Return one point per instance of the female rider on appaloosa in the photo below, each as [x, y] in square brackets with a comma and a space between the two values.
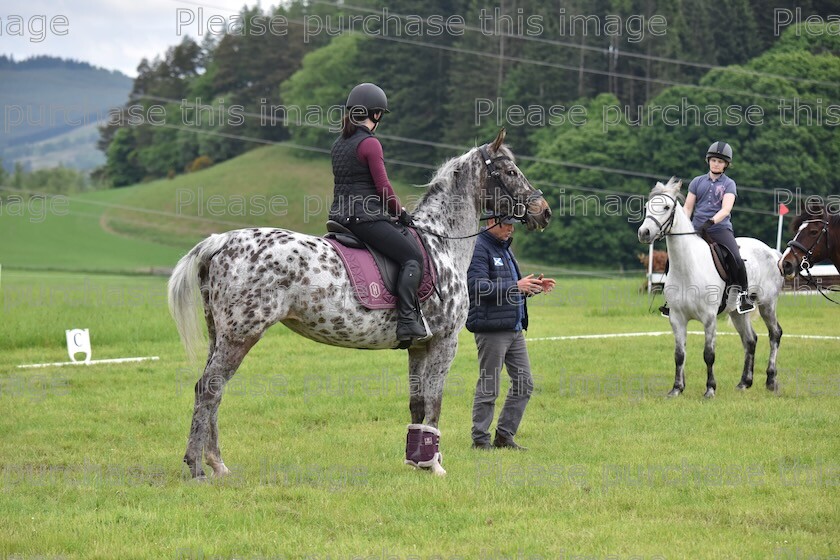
[250, 279]
[365, 203]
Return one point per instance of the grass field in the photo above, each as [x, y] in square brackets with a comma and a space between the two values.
[136, 229]
[90, 457]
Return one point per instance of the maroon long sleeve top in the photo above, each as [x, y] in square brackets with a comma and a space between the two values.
[370, 153]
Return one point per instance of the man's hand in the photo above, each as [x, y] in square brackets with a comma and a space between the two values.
[530, 285]
[547, 283]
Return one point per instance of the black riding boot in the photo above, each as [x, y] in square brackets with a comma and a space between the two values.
[409, 324]
[664, 308]
[745, 303]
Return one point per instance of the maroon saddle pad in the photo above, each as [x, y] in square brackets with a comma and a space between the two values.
[372, 288]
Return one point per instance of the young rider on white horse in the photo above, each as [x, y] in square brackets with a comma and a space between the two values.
[711, 197]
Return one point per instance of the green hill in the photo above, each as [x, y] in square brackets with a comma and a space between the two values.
[149, 226]
[46, 98]
[74, 148]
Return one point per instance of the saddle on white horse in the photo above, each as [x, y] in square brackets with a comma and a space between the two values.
[724, 262]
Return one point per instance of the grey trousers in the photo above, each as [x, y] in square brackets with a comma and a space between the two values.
[495, 349]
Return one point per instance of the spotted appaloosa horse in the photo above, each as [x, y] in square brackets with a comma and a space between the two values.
[694, 289]
[250, 279]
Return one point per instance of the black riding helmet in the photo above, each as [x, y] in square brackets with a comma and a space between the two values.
[365, 100]
[721, 150]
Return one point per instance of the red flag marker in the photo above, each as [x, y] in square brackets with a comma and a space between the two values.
[782, 211]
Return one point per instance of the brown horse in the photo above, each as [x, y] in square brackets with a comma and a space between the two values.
[817, 239]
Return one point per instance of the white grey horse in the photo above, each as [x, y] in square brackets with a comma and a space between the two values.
[250, 279]
[694, 289]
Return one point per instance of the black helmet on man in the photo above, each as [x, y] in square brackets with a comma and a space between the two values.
[721, 150]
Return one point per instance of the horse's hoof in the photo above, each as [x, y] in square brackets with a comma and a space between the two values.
[200, 479]
[742, 386]
[773, 386]
[196, 473]
[709, 394]
[220, 470]
[674, 393]
[437, 470]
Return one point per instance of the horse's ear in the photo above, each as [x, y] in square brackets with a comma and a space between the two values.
[500, 137]
[676, 181]
[814, 207]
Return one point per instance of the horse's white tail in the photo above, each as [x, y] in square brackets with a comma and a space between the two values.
[184, 291]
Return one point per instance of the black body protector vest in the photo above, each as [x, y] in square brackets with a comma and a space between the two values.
[355, 198]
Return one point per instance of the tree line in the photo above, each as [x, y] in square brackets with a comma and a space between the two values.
[596, 114]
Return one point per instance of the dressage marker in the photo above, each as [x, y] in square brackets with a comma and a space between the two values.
[78, 342]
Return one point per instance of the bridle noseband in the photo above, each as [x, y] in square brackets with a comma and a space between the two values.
[520, 209]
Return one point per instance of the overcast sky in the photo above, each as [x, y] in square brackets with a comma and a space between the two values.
[112, 34]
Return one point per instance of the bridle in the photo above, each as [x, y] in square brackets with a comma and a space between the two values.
[665, 227]
[808, 253]
[520, 209]
[494, 174]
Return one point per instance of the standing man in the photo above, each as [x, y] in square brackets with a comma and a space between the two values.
[497, 317]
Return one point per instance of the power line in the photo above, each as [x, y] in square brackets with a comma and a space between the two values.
[284, 121]
[599, 50]
[590, 71]
[562, 187]
[542, 63]
[111, 205]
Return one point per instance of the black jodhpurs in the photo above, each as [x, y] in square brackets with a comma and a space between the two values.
[391, 239]
[726, 238]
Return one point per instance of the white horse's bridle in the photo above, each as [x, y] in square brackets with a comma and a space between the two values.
[664, 227]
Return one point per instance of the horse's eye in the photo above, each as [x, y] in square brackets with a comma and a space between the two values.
[511, 172]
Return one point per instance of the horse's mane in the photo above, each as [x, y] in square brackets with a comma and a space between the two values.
[671, 188]
[445, 175]
[815, 213]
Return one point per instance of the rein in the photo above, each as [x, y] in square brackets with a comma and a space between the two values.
[814, 284]
[441, 236]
